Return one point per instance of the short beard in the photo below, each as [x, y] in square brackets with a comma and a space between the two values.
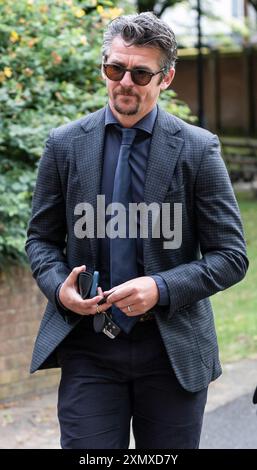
[128, 112]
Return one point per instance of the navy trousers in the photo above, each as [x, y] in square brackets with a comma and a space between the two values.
[106, 383]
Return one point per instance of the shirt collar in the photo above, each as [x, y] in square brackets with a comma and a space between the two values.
[145, 124]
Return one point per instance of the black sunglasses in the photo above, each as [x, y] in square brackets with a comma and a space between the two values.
[139, 76]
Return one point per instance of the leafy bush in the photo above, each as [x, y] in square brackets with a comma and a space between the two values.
[49, 74]
[16, 187]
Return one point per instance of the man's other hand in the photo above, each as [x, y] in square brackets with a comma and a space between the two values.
[139, 294]
[71, 299]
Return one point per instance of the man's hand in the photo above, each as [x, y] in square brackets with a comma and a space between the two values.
[70, 298]
[139, 294]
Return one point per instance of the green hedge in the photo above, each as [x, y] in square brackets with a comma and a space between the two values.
[50, 56]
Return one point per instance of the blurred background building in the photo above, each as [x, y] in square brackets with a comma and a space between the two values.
[217, 77]
[224, 22]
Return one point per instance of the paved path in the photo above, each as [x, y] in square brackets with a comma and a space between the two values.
[231, 426]
[230, 419]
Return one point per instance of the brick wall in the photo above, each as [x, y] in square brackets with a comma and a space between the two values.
[230, 93]
[21, 308]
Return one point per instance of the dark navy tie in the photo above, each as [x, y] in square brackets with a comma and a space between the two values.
[123, 252]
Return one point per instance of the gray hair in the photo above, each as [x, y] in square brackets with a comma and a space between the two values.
[143, 30]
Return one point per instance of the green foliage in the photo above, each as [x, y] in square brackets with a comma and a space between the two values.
[49, 69]
[50, 56]
[49, 74]
[168, 100]
[16, 187]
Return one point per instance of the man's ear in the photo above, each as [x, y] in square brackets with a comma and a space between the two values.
[167, 79]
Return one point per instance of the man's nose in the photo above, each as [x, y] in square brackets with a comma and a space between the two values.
[127, 80]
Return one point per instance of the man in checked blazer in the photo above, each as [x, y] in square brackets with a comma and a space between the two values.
[158, 373]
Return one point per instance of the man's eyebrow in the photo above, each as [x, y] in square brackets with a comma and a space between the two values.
[118, 62]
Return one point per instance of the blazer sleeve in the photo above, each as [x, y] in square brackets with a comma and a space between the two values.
[46, 243]
[223, 260]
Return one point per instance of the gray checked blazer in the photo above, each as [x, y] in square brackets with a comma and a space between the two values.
[185, 167]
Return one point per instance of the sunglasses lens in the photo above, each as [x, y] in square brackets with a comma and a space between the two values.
[114, 72]
[141, 77]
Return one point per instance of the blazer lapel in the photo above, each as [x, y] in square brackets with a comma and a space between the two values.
[165, 151]
[89, 161]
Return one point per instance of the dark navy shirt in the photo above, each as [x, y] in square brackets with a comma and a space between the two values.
[138, 160]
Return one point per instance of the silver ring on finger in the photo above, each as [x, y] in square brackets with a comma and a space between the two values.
[129, 309]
